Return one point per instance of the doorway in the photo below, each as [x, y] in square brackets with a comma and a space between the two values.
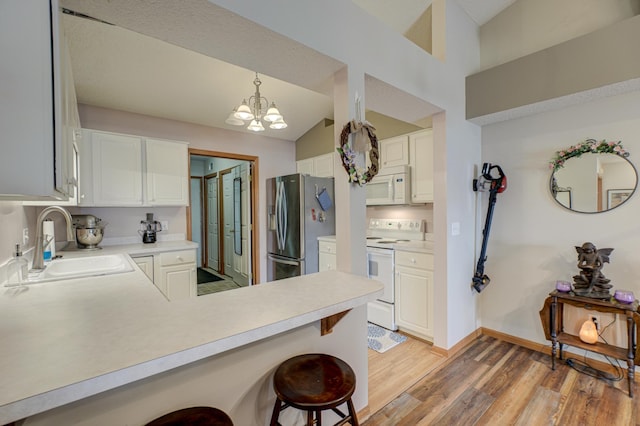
[222, 215]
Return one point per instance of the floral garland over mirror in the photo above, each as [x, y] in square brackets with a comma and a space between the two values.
[348, 153]
[590, 145]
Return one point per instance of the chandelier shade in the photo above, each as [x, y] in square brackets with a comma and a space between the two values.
[256, 110]
[256, 126]
[272, 113]
[233, 120]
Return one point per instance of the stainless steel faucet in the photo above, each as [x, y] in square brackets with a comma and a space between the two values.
[38, 257]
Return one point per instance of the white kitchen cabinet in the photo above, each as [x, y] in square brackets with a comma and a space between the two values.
[117, 169]
[175, 274]
[394, 151]
[145, 263]
[305, 166]
[320, 166]
[166, 172]
[37, 105]
[421, 162]
[326, 255]
[127, 171]
[414, 293]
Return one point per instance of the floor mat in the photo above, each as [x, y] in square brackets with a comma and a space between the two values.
[381, 340]
[207, 277]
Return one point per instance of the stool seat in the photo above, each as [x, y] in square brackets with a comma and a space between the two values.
[194, 416]
[313, 383]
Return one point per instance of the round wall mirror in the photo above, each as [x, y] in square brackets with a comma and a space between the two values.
[594, 182]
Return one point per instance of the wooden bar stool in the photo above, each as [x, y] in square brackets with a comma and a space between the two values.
[313, 383]
[194, 416]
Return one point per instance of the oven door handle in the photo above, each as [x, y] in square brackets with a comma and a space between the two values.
[286, 262]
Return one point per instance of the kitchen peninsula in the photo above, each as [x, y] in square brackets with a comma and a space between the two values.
[112, 350]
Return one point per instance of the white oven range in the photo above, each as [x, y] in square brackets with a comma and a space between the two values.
[383, 235]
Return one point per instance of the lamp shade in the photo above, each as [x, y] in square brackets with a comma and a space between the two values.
[278, 124]
[256, 126]
[589, 332]
[272, 113]
[244, 112]
[233, 120]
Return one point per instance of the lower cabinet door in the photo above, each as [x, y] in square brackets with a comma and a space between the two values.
[180, 282]
[414, 301]
[326, 262]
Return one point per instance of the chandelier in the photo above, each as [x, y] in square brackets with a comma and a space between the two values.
[256, 110]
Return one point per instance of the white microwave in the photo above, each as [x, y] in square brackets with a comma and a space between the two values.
[390, 186]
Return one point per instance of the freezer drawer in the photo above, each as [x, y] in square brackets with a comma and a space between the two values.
[279, 267]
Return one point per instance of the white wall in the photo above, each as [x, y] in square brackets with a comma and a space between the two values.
[13, 219]
[528, 26]
[276, 157]
[533, 239]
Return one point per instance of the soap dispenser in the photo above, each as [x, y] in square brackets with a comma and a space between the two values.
[17, 268]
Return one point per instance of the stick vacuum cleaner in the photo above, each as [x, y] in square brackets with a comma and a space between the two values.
[487, 182]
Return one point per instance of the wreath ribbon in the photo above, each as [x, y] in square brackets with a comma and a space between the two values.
[360, 132]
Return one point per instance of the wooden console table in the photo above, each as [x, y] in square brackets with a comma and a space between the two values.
[552, 317]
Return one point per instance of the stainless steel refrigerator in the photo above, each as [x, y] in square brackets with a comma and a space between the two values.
[300, 209]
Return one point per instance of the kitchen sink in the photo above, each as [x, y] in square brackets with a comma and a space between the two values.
[77, 267]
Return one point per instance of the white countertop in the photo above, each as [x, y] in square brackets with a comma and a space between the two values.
[65, 340]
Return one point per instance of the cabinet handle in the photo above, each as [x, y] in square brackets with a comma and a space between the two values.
[179, 258]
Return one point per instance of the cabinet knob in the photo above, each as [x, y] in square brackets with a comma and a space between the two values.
[179, 258]
[413, 260]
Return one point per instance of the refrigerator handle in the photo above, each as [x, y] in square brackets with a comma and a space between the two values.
[286, 262]
[284, 216]
[279, 215]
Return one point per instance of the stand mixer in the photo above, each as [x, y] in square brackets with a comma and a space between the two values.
[150, 228]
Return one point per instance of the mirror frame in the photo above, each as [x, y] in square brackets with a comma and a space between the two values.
[590, 146]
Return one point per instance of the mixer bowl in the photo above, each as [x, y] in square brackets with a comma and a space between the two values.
[89, 237]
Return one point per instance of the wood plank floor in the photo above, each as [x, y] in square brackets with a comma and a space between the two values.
[498, 383]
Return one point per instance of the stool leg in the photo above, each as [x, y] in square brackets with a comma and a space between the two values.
[276, 413]
[352, 413]
[309, 418]
[319, 418]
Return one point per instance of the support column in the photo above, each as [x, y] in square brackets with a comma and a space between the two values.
[350, 200]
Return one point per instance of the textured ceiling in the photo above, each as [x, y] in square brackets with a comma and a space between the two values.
[194, 61]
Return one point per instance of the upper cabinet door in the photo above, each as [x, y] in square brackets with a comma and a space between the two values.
[305, 166]
[323, 165]
[32, 163]
[167, 173]
[394, 152]
[117, 169]
[421, 147]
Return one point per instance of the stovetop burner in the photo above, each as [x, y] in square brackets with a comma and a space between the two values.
[384, 233]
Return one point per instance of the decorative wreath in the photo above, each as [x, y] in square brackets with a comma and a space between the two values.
[590, 145]
[348, 154]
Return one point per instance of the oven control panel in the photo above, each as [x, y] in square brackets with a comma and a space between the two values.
[398, 224]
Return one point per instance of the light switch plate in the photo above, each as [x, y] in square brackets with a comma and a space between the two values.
[455, 228]
[165, 225]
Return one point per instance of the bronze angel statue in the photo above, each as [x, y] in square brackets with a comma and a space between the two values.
[591, 282]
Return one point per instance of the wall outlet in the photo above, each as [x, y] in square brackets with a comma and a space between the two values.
[25, 237]
[596, 321]
[165, 225]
